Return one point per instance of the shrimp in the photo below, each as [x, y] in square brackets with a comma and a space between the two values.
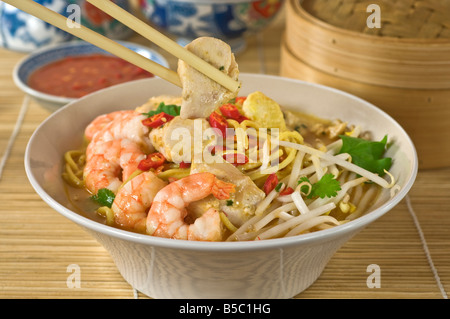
[100, 122]
[106, 161]
[120, 125]
[133, 200]
[247, 194]
[167, 214]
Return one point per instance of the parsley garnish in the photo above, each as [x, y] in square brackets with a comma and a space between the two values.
[170, 109]
[104, 197]
[367, 154]
[229, 202]
[327, 186]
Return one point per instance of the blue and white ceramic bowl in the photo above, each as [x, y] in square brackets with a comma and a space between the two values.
[44, 56]
[95, 19]
[20, 31]
[229, 20]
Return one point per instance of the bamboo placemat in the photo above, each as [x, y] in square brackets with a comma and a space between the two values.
[410, 244]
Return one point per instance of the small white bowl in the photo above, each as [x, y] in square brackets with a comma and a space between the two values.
[167, 268]
[53, 53]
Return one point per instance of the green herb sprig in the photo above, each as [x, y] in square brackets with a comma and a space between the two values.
[367, 154]
[170, 109]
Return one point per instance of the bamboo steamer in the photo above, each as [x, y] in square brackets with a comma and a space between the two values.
[406, 76]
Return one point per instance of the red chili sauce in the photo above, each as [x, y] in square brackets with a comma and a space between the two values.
[75, 77]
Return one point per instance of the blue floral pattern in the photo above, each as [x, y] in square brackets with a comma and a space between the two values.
[190, 20]
[23, 32]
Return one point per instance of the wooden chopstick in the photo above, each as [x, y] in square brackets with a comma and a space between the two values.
[96, 39]
[166, 43]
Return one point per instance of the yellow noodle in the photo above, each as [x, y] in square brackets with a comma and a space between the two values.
[175, 173]
[249, 166]
[108, 213]
[74, 165]
[227, 222]
[248, 123]
[133, 175]
[290, 158]
[234, 123]
[70, 176]
[292, 136]
[69, 158]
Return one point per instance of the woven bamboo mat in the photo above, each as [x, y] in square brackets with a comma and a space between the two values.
[410, 244]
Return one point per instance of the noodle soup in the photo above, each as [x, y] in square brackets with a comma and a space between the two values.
[291, 172]
[168, 268]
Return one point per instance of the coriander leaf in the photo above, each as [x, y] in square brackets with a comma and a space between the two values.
[367, 154]
[104, 197]
[170, 109]
[327, 186]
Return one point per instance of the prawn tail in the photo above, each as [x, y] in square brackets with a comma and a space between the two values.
[222, 190]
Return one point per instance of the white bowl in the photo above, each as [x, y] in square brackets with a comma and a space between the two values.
[167, 268]
[52, 53]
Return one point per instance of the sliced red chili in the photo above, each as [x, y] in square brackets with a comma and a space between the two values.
[230, 110]
[287, 191]
[185, 165]
[218, 121]
[270, 183]
[235, 158]
[153, 160]
[157, 120]
[241, 118]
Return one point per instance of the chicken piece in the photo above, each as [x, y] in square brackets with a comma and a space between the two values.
[153, 103]
[201, 95]
[241, 205]
[176, 139]
[331, 130]
[337, 128]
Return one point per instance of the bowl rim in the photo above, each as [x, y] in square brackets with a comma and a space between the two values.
[74, 43]
[314, 237]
